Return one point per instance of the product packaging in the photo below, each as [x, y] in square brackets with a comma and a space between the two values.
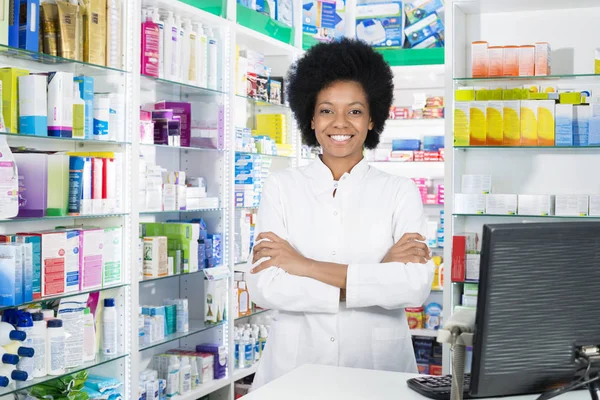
[382, 25]
[112, 253]
[60, 104]
[49, 17]
[94, 31]
[10, 97]
[33, 117]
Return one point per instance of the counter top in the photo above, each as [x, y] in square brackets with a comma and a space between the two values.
[320, 382]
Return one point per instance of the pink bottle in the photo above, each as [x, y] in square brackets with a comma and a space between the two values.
[150, 46]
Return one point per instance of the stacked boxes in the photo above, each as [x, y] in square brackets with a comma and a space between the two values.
[251, 171]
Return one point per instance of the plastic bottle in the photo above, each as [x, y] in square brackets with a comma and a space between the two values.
[236, 350]
[25, 324]
[89, 336]
[195, 378]
[8, 334]
[192, 71]
[173, 377]
[161, 42]
[150, 46]
[201, 55]
[109, 328]
[257, 344]
[185, 50]
[185, 376]
[212, 60]
[246, 350]
[39, 338]
[171, 38]
[55, 364]
[178, 23]
[264, 334]
[8, 373]
[8, 358]
[78, 113]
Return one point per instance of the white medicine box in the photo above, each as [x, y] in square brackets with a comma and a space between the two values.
[476, 184]
[572, 205]
[469, 203]
[595, 205]
[534, 204]
[501, 204]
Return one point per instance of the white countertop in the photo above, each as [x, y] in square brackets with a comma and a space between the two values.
[319, 382]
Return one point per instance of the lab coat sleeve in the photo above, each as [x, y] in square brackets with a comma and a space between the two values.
[275, 289]
[394, 285]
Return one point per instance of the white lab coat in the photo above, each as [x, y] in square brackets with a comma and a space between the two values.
[369, 213]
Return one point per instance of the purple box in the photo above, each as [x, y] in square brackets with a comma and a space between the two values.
[33, 184]
[220, 354]
[161, 131]
[184, 112]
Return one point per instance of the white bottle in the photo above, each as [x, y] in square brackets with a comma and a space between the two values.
[212, 62]
[55, 353]
[186, 50]
[185, 376]
[8, 373]
[192, 72]
[173, 377]
[39, 338]
[109, 328]
[161, 42]
[194, 371]
[237, 350]
[171, 37]
[201, 57]
[89, 336]
[25, 324]
[8, 334]
[246, 350]
[179, 53]
[257, 344]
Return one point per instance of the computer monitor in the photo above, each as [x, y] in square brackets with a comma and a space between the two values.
[539, 297]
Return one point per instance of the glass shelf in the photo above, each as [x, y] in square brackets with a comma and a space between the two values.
[526, 216]
[257, 312]
[262, 103]
[181, 211]
[63, 217]
[66, 296]
[58, 138]
[169, 276]
[185, 88]
[195, 326]
[265, 155]
[47, 59]
[165, 146]
[501, 79]
[558, 148]
[405, 162]
[100, 360]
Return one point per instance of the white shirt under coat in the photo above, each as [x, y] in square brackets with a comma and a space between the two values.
[370, 212]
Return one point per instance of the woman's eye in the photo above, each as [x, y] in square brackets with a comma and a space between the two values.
[326, 111]
[355, 112]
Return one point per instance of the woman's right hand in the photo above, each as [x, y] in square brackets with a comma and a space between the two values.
[409, 249]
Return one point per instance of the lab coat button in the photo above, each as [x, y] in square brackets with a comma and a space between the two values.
[335, 184]
[333, 339]
[335, 213]
[333, 253]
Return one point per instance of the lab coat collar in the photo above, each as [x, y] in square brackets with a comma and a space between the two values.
[322, 177]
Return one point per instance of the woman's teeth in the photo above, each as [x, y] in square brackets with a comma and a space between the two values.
[340, 138]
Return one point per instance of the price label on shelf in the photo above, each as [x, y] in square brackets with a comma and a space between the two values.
[216, 273]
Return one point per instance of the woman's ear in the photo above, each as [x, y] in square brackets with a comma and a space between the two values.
[312, 124]
[370, 124]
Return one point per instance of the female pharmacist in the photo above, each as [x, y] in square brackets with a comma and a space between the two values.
[340, 242]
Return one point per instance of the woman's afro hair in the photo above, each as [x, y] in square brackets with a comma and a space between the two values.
[345, 60]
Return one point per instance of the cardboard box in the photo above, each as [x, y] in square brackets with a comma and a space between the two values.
[476, 184]
[501, 204]
[573, 205]
[531, 204]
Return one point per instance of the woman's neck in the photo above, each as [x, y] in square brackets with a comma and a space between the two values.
[339, 166]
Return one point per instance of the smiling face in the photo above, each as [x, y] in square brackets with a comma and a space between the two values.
[341, 120]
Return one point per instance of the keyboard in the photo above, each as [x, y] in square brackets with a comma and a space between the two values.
[437, 387]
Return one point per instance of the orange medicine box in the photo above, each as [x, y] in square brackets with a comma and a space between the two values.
[526, 60]
[511, 61]
[480, 59]
[496, 60]
[542, 59]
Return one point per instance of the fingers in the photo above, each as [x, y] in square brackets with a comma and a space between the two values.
[269, 235]
[264, 265]
[265, 245]
[411, 246]
[409, 237]
[263, 253]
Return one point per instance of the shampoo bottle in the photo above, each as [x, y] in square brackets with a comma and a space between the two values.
[89, 336]
[212, 62]
[179, 53]
[170, 46]
[192, 72]
[150, 46]
[161, 42]
[201, 54]
[109, 328]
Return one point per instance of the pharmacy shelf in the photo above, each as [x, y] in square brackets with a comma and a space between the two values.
[265, 155]
[536, 148]
[64, 217]
[262, 103]
[49, 62]
[162, 278]
[67, 295]
[174, 87]
[410, 163]
[594, 218]
[204, 389]
[43, 139]
[580, 78]
[100, 360]
[165, 146]
[181, 211]
[241, 373]
[407, 123]
[255, 313]
[518, 6]
[424, 332]
[195, 326]
[260, 42]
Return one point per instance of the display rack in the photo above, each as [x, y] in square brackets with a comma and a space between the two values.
[517, 170]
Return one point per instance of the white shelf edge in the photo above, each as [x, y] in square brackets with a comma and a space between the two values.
[244, 372]
[267, 40]
[205, 389]
[424, 332]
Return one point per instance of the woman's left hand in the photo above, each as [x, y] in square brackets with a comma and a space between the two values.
[281, 254]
